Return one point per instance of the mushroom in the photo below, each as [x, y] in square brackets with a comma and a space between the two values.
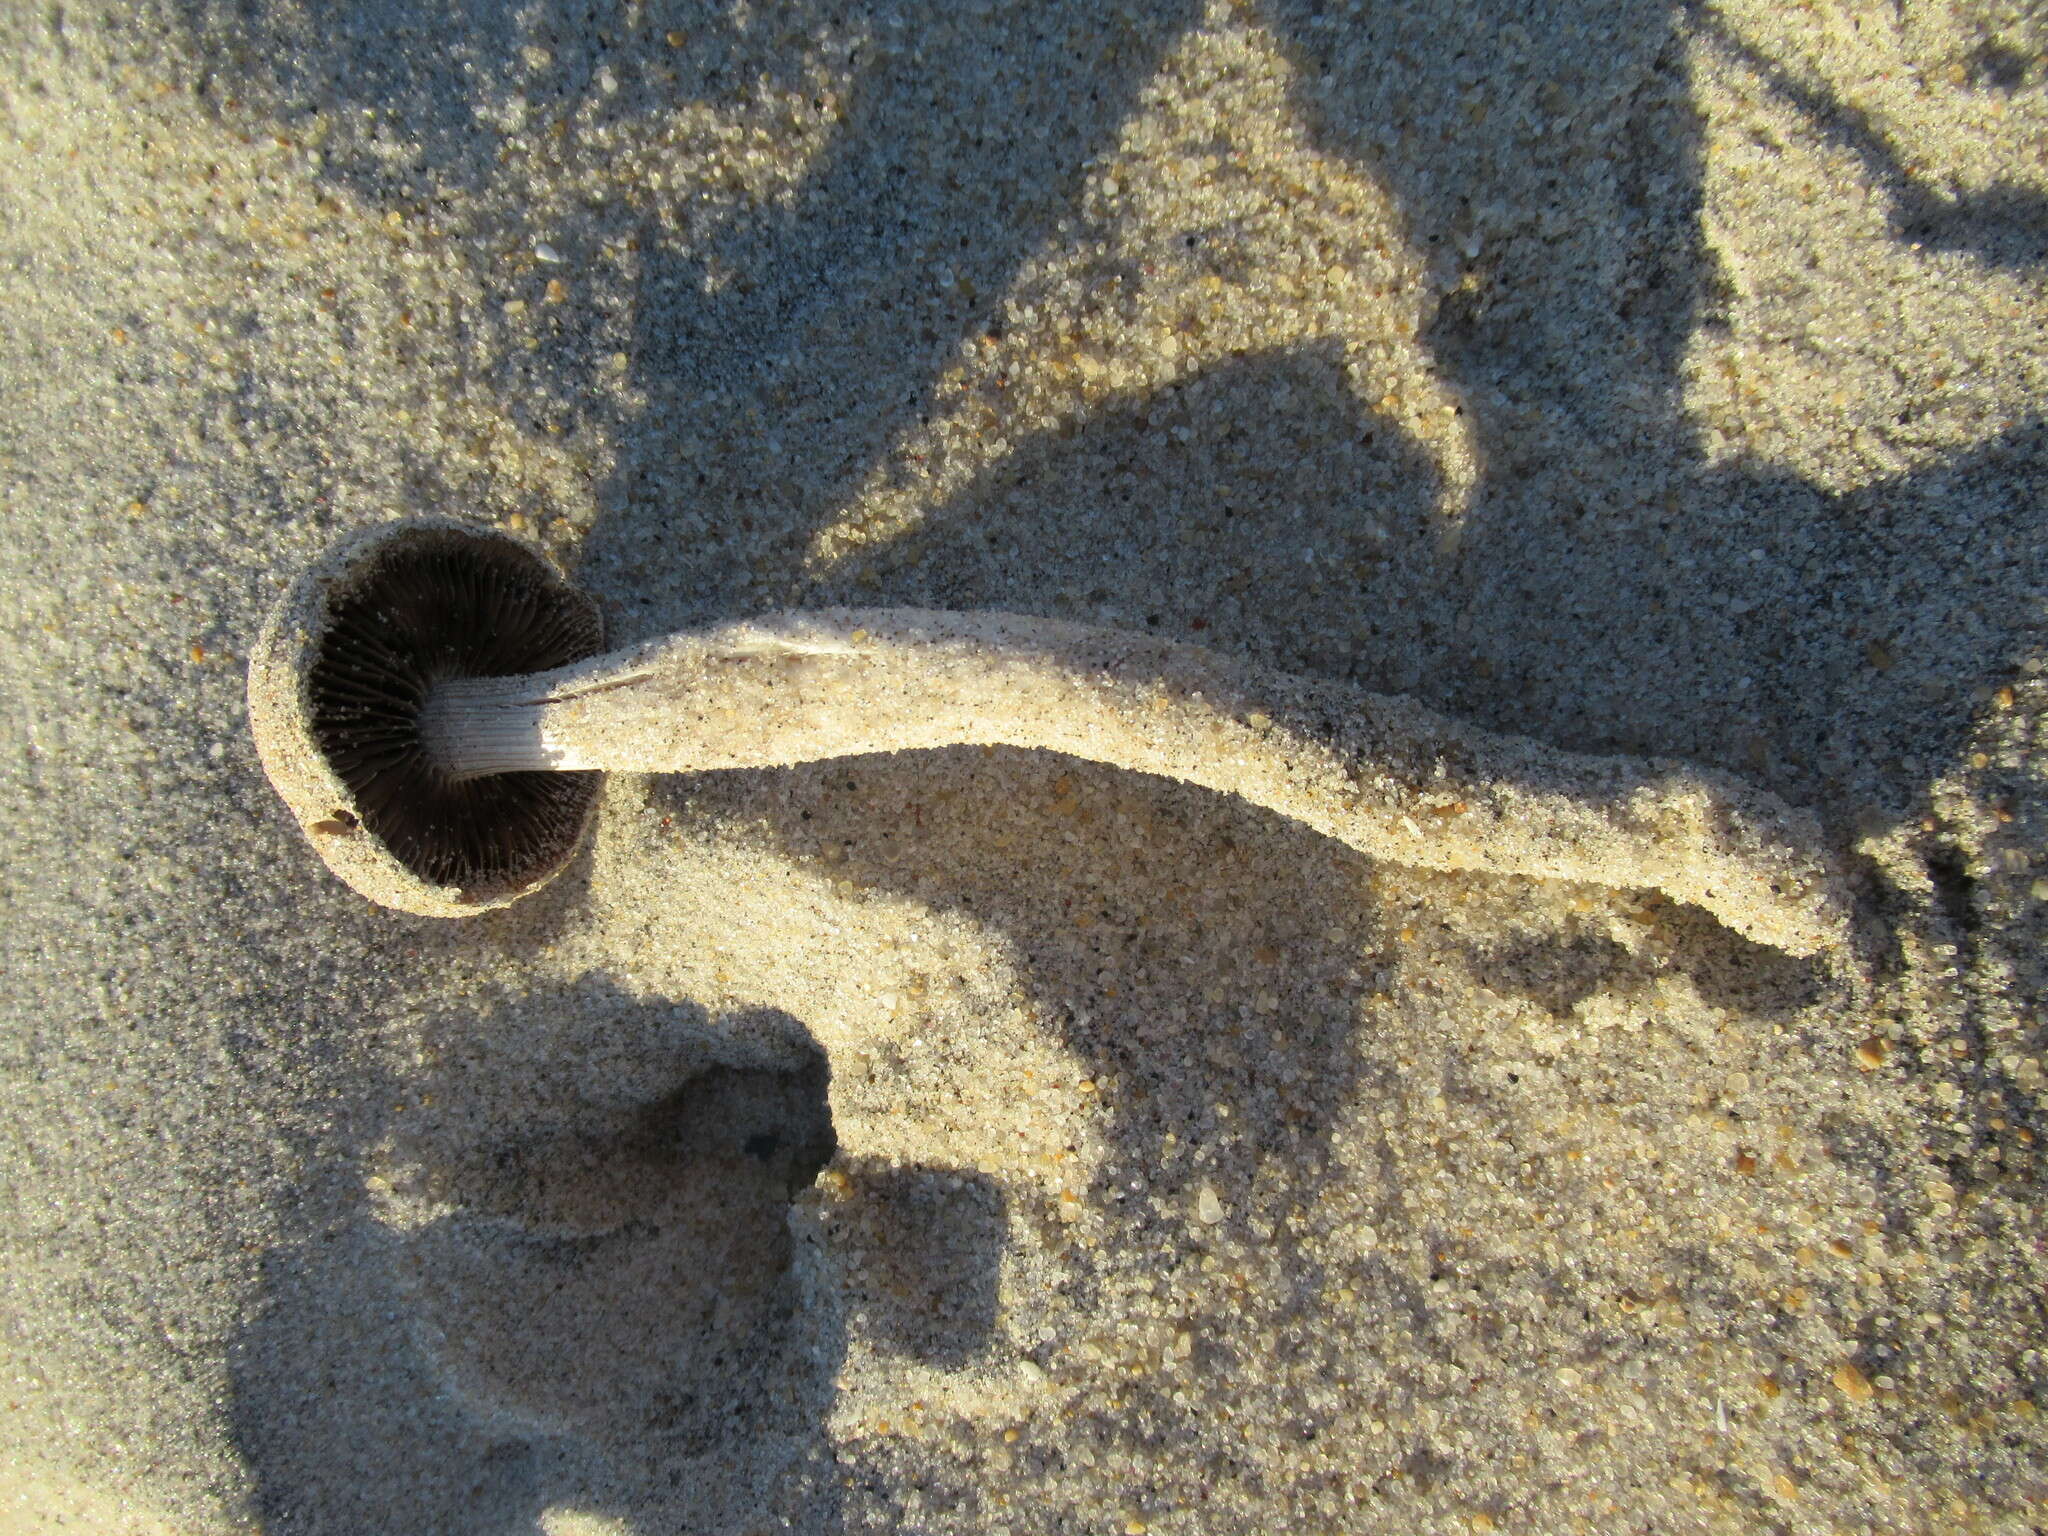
[430, 701]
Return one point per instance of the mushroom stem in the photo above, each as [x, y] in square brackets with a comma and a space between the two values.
[1383, 775]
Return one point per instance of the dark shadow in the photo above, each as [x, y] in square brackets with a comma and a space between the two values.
[604, 1291]
[1888, 615]
[569, 1252]
[1730, 972]
[313, 1378]
[1559, 971]
[1557, 974]
[1205, 514]
[1558, 211]
[922, 1250]
[1560, 218]
[626, 1279]
[770, 398]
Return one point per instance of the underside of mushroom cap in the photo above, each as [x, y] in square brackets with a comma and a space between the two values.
[336, 683]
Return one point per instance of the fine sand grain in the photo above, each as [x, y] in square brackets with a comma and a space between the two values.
[992, 1141]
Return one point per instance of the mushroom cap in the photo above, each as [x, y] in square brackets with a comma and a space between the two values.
[336, 681]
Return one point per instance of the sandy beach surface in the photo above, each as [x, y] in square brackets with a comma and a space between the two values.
[987, 1141]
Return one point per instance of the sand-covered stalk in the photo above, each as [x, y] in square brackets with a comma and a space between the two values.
[1384, 775]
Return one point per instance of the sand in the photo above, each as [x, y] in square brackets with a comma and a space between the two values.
[986, 1140]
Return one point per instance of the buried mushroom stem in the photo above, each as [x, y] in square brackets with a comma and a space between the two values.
[1387, 777]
